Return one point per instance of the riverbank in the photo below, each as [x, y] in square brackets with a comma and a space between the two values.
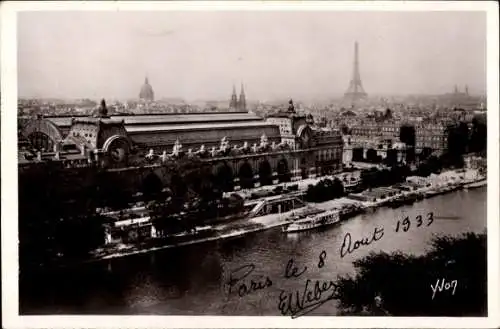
[190, 279]
[245, 226]
[222, 231]
[422, 187]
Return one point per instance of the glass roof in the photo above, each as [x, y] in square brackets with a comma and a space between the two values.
[171, 118]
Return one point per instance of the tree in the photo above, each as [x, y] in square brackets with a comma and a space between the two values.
[410, 155]
[387, 114]
[345, 129]
[77, 236]
[283, 171]
[477, 141]
[398, 174]
[112, 191]
[165, 216]
[425, 153]
[423, 170]
[401, 283]
[434, 164]
[357, 154]
[407, 135]
[338, 188]
[458, 138]
[324, 190]
[152, 187]
[235, 203]
[371, 155]
[224, 178]
[392, 157]
[368, 177]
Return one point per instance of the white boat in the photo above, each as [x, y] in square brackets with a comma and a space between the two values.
[308, 222]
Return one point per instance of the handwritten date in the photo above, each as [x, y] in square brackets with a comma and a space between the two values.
[315, 293]
[349, 246]
[405, 224]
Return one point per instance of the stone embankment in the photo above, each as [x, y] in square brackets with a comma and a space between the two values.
[440, 183]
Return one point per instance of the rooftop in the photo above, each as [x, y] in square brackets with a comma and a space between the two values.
[285, 114]
[173, 118]
[199, 126]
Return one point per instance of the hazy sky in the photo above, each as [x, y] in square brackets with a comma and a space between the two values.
[199, 55]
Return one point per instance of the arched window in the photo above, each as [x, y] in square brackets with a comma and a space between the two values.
[40, 141]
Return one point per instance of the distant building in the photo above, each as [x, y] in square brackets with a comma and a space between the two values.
[460, 99]
[242, 103]
[146, 93]
[431, 136]
[238, 149]
[377, 130]
[235, 104]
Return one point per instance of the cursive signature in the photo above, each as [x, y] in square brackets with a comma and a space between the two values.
[237, 276]
[313, 295]
[348, 246]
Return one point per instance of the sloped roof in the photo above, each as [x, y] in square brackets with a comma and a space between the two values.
[198, 126]
[174, 118]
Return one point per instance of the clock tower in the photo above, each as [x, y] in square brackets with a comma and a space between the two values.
[294, 128]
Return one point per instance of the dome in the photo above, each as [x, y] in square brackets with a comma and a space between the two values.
[146, 91]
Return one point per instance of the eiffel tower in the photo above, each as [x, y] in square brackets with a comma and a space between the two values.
[355, 91]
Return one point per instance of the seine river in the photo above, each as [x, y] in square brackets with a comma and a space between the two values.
[194, 280]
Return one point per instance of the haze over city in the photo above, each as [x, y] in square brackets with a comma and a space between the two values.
[200, 55]
[229, 162]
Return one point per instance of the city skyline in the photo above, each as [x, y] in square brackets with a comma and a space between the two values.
[108, 54]
[208, 162]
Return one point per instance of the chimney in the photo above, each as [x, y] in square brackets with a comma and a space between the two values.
[83, 150]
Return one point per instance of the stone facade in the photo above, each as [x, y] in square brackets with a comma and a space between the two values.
[374, 130]
[236, 147]
[433, 136]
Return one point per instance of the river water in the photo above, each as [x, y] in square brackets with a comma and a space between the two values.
[193, 280]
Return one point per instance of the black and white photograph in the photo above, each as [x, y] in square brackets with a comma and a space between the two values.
[262, 161]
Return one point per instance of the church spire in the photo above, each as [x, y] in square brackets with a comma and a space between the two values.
[103, 110]
[242, 104]
[233, 104]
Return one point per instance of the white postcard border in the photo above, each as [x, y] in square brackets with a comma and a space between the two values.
[9, 181]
